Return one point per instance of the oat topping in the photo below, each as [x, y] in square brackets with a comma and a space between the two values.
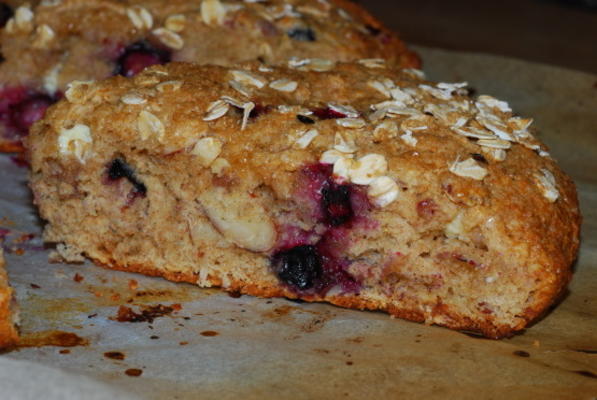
[492, 102]
[219, 166]
[468, 168]
[409, 139]
[547, 184]
[367, 168]
[495, 143]
[333, 155]
[168, 86]
[383, 191]
[217, 109]
[76, 90]
[140, 17]
[212, 12]
[248, 79]
[344, 145]
[342, 168]
[312, 64]
[455, 229]
[247, 108]
[347, 110]
[388, 129]
[176, 23]
[76, 140]
[149, 125]
[133, 99]
[44, 35]
[207, 150]
[284, 85]
[22, 20]
[50, 80]
[240, 88]
[352, 123]
[306, 138]
[373, 62]
[169, 38]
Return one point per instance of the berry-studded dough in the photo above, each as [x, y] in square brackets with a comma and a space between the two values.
[363, 186]
[58, 41]
[9, 335]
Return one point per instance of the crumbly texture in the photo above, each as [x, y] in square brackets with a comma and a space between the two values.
[56, 42]
[363, 186]
[9, 336]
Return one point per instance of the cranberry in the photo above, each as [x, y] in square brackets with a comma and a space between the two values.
[328, 113]
[138, 56]
[259, 110]
[426, 208]
[336, 204]
[119, 169]
[298, 267]
[29, 111]
[6, 13]
[302, 34]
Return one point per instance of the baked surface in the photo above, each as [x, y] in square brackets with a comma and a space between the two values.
[8, 332]
[56, 42]
[363, 186]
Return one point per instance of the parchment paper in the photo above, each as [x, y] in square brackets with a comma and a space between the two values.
[277, 349]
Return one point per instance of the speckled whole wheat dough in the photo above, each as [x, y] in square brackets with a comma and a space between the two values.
[456, 214]
[53, 43]
[9, 334]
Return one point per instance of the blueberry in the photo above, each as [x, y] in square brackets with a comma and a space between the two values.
[138, 56]
[479, 157]
[302, 34]
[337, 207]
[304, 119]
[299, 267]
[119, 169]
[374, 31]
[6, 13]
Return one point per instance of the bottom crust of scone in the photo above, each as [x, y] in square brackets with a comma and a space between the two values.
[441, 314]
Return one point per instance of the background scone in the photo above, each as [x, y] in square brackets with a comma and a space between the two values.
[9, 335]
[362, 186]
[47, 46]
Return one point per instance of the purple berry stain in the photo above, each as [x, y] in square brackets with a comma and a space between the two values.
[314, 263]
[20, 108]
[138, 56]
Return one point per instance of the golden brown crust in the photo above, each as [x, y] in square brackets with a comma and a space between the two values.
[9, 335]
[83, 40]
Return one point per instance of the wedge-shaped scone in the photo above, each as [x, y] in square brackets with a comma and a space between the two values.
[47, 46]
[361, 186]
[9, 335]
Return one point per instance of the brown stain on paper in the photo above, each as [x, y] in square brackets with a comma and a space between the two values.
[52, 338]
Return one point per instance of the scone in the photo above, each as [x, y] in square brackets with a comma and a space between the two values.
[361, 186]
[9, 335]
[46, 47]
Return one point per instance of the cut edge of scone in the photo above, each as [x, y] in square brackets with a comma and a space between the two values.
[388, 192]
[9, 316]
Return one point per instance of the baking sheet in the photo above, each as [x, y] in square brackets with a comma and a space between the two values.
[214, 346]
